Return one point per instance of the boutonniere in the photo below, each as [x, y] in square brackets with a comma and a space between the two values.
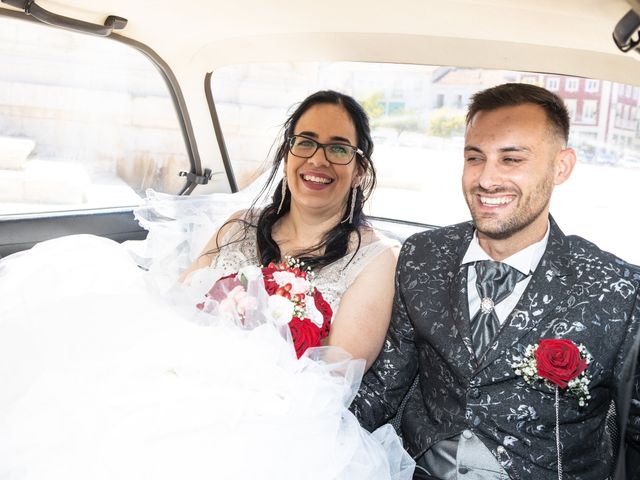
[561, 364]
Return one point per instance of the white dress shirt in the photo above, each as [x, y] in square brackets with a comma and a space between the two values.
[525, 261]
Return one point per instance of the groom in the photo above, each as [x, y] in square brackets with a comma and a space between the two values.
[474, 299]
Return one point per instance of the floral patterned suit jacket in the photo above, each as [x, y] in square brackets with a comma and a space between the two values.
[578, 292]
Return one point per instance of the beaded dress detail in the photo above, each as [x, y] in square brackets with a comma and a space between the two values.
[239, 249]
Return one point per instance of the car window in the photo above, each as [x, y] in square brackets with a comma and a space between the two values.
[86, 122]
[417, 117]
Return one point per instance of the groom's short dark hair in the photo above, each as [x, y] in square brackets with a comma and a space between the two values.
[514, 94]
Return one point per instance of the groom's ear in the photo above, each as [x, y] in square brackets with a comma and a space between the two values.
[565, 161]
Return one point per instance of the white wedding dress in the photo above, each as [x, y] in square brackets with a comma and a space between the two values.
[108, 371]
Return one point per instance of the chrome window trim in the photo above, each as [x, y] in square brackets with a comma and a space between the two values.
[215, 120]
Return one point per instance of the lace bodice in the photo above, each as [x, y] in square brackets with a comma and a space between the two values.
[332, 280]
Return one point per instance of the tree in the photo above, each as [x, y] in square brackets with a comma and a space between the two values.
[373, 105]
[446, 124]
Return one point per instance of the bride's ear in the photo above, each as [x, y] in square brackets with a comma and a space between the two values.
[357, 177]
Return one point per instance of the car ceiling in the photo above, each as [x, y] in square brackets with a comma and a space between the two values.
[569, 36]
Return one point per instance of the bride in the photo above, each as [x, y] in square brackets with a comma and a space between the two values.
[107, 376]
[316, 216]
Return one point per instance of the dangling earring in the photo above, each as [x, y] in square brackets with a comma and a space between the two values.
[284, 193]
[354, 195]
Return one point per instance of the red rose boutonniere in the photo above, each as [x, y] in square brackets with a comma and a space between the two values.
[558, 362]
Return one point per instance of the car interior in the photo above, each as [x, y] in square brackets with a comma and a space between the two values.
[104, 99]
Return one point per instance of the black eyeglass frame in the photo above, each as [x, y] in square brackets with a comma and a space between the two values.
[355, 150]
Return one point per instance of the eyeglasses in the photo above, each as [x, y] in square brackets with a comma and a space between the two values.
[337, 153]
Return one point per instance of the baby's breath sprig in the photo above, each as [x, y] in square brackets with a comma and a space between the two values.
[579, 386]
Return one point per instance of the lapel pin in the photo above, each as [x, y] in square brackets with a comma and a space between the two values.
[486, 305]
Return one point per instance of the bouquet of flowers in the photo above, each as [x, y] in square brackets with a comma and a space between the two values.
[291, 299]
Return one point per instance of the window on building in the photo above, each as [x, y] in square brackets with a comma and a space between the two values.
[591, 85]
[571, 84]
[552, 84]
[572, 105]
[589, 111]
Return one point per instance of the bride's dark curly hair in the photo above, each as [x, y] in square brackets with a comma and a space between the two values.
[335, 243]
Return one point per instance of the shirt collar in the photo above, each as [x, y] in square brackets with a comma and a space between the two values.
[525, 261]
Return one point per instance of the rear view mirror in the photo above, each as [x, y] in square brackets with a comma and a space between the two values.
[625, 30]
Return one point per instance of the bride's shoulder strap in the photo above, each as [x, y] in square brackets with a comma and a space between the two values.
[373, 244]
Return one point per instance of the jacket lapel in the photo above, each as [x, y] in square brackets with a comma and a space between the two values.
[549, 285]
[460, 311]
[458, 296]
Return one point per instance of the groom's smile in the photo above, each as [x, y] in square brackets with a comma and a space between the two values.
[495, 201]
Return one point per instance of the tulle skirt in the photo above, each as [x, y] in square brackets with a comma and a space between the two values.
[105, 376]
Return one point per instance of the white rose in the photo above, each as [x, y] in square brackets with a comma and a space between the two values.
[280, 309]
[251, 272]
[298, 284]
[236, 302]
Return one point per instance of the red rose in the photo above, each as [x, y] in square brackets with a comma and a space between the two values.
[559, 361]
[325, 309]
[269, 269]
[222, 287]
[270, 284]
[305, 334]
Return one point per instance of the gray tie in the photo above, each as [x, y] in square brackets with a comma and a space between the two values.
[495, 281]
